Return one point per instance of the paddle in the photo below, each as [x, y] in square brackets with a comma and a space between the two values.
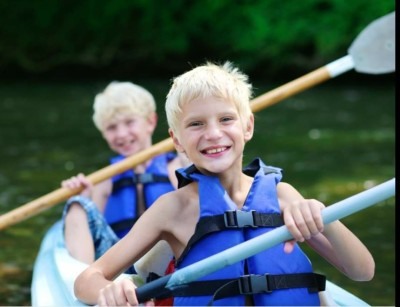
[371, 52]
[164, 285]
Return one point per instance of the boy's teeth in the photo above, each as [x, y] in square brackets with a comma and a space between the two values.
[213, 151]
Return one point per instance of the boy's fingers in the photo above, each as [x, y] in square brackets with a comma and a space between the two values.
[292, 227]
[289, 246]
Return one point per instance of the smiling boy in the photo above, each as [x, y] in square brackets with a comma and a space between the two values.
[210, 120]
[125, 114]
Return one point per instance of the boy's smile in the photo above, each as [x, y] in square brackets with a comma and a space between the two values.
[213, 151]
[128, 134]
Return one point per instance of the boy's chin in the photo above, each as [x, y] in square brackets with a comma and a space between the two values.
[129, 151]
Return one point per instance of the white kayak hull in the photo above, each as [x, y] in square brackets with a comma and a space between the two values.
[55, 270]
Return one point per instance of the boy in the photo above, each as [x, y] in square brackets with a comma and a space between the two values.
[210, 120]
[125, 114]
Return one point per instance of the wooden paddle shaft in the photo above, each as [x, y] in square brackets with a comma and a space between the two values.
[42, 203]
[289, 89]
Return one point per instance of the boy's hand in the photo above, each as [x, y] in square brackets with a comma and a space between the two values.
[120, 293]
[79, 181]
[303, 219]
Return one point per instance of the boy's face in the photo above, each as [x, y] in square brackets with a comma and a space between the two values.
[211, 133]
[129, 134]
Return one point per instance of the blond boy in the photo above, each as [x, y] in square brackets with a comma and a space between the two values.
[125, 115]
[210, 121]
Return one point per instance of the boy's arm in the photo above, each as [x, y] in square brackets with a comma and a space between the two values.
[335, 242]
[96, 282]
[345, 251]
[101, 192]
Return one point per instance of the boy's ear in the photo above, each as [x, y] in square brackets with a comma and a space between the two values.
[177, 144]
[248, 133]
[152, 120]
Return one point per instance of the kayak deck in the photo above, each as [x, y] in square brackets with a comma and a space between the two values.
[55, 270]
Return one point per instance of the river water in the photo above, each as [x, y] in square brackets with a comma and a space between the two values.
[332, 141]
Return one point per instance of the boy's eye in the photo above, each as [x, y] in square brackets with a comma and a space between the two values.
[194, 124]
[226, 118]
[111, 127]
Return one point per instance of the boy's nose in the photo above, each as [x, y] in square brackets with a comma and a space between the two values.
[121, 131]
[212, 132]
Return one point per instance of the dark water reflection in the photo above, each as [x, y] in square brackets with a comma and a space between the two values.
[332, 141]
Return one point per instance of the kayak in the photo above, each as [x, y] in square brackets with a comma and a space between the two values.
[55, 270]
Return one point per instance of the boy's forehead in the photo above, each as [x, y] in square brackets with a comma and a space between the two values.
[214, 99]
[122, 116]
[207, 104]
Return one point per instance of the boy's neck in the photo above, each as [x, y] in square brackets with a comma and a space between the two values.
[141, 168]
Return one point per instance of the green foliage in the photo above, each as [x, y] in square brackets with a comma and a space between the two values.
[169, 36]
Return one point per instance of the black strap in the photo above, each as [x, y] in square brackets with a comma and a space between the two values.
[252, 168]
[254, 219]
[184, 179]
[235, 219]
[124, 224]
[138, 178]
[151, 178]
[252, 284]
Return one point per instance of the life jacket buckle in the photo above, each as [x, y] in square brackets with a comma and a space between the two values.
[239, 219]
[252, 284]
[144, 178]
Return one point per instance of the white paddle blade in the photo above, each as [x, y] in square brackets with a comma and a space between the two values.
[373, 50]
[155, 261]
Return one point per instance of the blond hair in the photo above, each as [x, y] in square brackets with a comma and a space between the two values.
[121, 98]
[209, 80]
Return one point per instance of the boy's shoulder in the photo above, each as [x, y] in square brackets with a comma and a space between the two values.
[177, 204]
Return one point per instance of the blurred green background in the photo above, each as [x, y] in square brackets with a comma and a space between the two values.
[125, 38]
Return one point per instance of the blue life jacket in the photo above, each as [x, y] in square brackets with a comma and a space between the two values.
[271, 277]
[121, 210]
